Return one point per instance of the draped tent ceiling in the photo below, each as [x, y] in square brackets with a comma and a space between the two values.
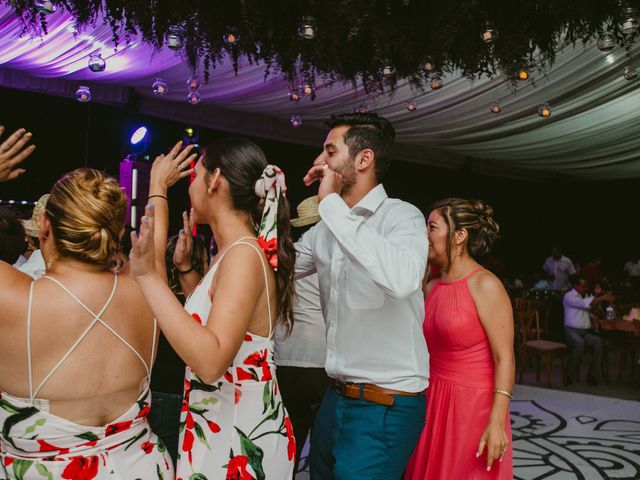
[593, 132]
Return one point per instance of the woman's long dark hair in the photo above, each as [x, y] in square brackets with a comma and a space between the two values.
[242, 162]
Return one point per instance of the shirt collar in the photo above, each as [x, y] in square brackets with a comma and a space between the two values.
[372, 200]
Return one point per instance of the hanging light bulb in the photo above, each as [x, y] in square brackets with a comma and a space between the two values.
[307, 87]
[606, 42]
[522, 74]
[194, 97]
[544, 110]
[629, 24]
[295, 120]
[388, 70]
[231, 36]
[174, 38]
[83, 94]
[45, 6]
[495, 107]
[630, 73]
[436, 83]
[160, 87]
[294, 95]
[362, 108]
[411, 106]
[428, 65]
[307, 28]
[489, 35]
[193, 83]
[97, 63]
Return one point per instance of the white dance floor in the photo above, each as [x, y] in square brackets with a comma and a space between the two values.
[561, 435]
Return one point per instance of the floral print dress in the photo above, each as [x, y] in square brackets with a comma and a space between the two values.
[38, 445]
[236, 427]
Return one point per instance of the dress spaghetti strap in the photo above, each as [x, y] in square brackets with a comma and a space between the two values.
[264, 270]
[96, 319]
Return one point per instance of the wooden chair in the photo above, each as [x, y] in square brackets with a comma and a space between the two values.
[529, 334]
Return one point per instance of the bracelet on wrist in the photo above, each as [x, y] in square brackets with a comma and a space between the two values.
[503, 392]
[183, 272]
[159, 196]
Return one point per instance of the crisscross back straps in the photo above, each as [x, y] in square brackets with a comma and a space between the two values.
[96, 319]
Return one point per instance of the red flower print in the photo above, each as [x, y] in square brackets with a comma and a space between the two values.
[117, 427]
[228, 377]
[8, 461]
[248, 338]
[244, 374]
[213, 426]
[237, 394]
[237, 469]
[259, 359]
[82, 468]
[47, 447]
[144, 412]
[147, 447]
[187, 443]
[271, 250]
[189, 421]
[291, 446]
[197, 317]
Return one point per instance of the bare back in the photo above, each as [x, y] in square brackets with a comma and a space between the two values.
[102, 377]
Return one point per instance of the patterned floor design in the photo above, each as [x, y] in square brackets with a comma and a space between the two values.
[565, 436]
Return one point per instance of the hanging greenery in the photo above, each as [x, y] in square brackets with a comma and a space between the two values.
[373, 43]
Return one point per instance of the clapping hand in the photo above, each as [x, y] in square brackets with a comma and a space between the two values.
[182, 254]
[142, 255]
[12, 152]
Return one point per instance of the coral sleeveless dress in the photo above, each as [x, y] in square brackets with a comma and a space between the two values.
[460, 393]
[236, 427]
[38, 445]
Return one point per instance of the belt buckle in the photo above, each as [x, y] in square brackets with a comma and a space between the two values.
[340, 388]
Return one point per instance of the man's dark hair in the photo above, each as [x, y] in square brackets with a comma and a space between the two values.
[12, 242]
[368, 130]
[575, 279]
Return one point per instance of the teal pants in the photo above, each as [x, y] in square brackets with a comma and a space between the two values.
[357, 439]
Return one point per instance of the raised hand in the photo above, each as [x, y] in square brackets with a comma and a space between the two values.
[182, 254]
[168, 169]
[12, 152]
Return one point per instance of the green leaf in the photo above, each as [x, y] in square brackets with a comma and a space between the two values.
[161, 447]
[205, 387]
[8, 407]
[201, 435]
[20, 467]
[197, 476]
[253, 453]
[88, 436]
[13, 420]
[266, 396]
[42, 470]
[30, 429]
[40, 422]
[158, 471]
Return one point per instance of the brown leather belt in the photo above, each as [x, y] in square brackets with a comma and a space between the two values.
[370, 392]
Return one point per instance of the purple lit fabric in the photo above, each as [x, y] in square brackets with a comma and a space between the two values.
[593, 132]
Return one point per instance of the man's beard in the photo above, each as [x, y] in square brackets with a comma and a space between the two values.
[348, 172]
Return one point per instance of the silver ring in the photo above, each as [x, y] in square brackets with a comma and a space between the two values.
[325, 166]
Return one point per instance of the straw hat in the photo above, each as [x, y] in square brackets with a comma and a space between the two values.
[307, 212]
[32, 226]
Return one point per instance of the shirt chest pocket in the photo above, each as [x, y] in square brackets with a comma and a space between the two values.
[362, 293]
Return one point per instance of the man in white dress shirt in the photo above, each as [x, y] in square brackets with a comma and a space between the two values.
[370, 254]
[558, 268]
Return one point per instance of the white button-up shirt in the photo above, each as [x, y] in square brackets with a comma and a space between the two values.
[577, 310]
[306, 345]
[370, 262]
[35, 266]
[560, 269]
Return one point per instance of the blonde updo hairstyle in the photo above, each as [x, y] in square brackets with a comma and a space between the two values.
[474, 216]
[86, 210]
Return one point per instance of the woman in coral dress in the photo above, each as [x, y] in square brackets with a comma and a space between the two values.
[233, 422]
[469, 331]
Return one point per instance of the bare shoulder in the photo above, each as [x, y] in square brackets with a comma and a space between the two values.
[15, 285]
[244, 261]
[485, 286]
[429, 286]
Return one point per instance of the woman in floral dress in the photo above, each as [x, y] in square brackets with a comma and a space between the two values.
[233, 422]
[77, 348]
